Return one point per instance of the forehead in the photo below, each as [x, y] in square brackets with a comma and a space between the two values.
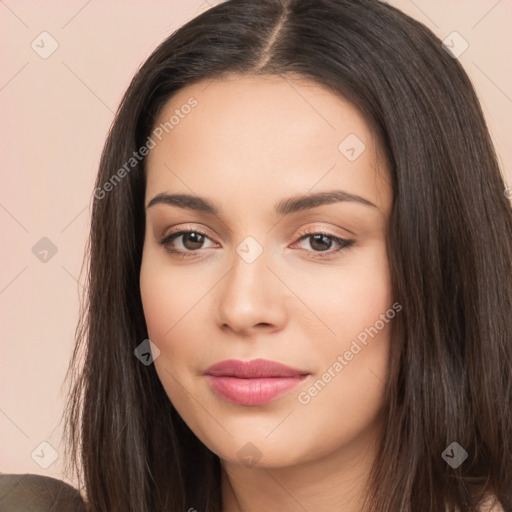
[268, 134]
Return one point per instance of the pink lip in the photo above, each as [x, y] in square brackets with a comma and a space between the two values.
[252, 382]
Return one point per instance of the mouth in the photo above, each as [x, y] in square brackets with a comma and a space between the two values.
[253, 382]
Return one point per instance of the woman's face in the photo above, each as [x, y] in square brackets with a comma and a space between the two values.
[256, 279]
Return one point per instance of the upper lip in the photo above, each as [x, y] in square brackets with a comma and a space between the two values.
[257, 368]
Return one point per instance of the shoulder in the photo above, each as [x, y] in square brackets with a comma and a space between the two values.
[36, 493]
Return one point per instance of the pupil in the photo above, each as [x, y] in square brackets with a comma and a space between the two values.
[194, 239]
[319, 238]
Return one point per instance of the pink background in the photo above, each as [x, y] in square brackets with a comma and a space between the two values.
[55, 115]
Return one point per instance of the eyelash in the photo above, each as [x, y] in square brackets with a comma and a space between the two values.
[342, 242]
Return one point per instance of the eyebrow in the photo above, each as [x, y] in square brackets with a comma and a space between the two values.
[284, 207]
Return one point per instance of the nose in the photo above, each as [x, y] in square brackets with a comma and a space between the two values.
[251, 297]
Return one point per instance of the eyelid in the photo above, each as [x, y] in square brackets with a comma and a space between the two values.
[181, 230]
[320, 231]
[341, 240]
[299, 233]
[188, 227]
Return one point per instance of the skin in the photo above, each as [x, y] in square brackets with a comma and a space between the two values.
[249, 143]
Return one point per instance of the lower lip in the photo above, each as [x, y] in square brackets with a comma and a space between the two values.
[252, 391]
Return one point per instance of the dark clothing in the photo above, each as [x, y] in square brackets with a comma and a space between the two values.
[36, 493]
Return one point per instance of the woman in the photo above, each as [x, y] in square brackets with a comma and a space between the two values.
[311, 184]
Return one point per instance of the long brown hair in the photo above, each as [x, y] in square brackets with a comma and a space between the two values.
[449, 248]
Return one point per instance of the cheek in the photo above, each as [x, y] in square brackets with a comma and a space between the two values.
[163, 309]
[174, 301]
[356, 304]
[346, 396]
[349, 298]
[168, 296]
[168, 300]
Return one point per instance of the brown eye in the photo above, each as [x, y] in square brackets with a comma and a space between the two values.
[191, 241]
[320, 242]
